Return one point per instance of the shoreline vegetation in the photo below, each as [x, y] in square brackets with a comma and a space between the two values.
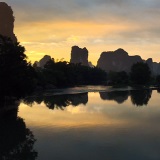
[89, 88]
[61, 98]
[19, 78]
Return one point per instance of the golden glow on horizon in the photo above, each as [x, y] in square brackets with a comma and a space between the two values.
[57, 38]
[91, 115]
[96, 112]
[70, 117]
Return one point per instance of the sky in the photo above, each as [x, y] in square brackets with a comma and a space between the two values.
[52, 27]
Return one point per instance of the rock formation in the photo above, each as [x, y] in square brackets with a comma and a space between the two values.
[90, 65]
[43, 61]
[154, 66]
[118, 60]
[7, 21]
[79, 55]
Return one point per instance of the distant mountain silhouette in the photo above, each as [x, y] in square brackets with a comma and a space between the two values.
[120, 60]
[154, 66]
[7, 21]
[42, 61]
[79, 55]
[117, 61]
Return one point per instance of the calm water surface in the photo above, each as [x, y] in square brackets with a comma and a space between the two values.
[120, 125]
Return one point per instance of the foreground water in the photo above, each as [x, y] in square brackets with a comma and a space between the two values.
[117, 125]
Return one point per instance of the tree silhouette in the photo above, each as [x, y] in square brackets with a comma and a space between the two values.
[62, 74]
[16, 75]
[16, 141]
[117, 78]
[118, 96]
[140, 73]
[140, 97]
[58, 101]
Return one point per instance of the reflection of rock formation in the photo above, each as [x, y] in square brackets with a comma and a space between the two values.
[59, 101]
[43, 61]
[7, 21]
[118, 96]
[16, 141]
[79, 55]
[140, 97]
[118, 60]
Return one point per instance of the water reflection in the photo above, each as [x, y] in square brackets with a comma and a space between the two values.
[140, 97]
[101, 130]
[118, 96]
[59, 101]
[16, 141]
[158, 90]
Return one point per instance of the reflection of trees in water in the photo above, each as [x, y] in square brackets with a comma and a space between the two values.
[16, 141]
[118, 96]
[140, 97]
[158, 90]
[59, 101]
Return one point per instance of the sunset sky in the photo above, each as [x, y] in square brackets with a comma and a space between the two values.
[53, 26]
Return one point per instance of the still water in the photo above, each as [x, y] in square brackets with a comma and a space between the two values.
[116, 125]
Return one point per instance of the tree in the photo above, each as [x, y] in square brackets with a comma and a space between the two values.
[140, 73]
[140, 97]
[17, 141]
[62, 74]
[158, 80]
[120, 78]
[16, 74]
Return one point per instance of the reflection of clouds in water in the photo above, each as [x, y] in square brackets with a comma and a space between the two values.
[89, 107]
[98, 130]
[76, 110]
[82, 109]
[110, 109]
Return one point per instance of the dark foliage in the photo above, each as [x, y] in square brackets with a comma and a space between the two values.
[58, 101]
[140, 73]
[16, 75]
[118, 78]
[157, 80]
[16, 141]
[140, 97]
[118, 96]
[63, 74]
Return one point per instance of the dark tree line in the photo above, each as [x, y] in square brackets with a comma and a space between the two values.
[62, 74]
[139, 97]
[58, 101]
[140, 74]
